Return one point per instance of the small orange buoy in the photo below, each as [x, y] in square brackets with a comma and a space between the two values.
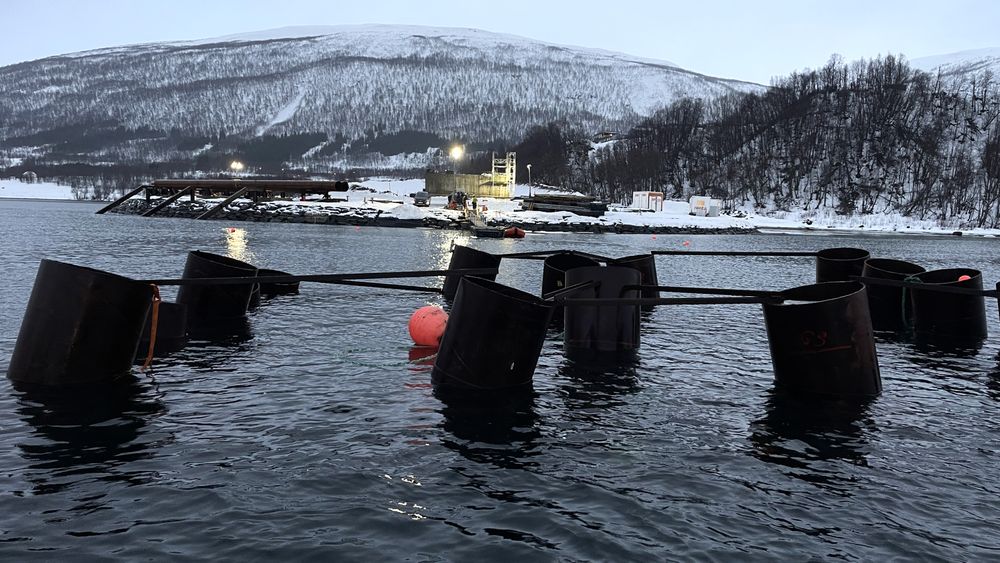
[964, 277]
[686, 243]
[427, 325]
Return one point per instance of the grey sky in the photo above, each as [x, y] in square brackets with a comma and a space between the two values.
[748, 40]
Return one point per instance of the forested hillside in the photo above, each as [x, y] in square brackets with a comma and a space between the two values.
[868, 137]
[348, 87]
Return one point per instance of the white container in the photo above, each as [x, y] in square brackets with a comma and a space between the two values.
[647, 200]
[714, 208]
[699, 205]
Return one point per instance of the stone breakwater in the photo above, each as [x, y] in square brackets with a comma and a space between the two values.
[374, 218]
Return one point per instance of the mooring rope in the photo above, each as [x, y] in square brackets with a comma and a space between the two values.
[774, 295]
[323, 278]
[559, 294]
[543, 254]
[349, 356]
[731, 253]
[535, 255]
[596, 257]
[154, 321]
[927, 286]
[731, 296]
[391, 286]
[582, 302]
[904, 298]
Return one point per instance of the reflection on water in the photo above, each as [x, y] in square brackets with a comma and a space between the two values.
[237, 245]
[587, 384]
[441, 258]
[941, 355]
[421, 358]
[904, 336]
[92, 431]
[993, 380]
[220, 332]
[952, 347]
[498, 427]
[212, 346]
[802, 433]
[205, 356]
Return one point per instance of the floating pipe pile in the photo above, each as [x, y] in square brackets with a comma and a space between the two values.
[84, 326]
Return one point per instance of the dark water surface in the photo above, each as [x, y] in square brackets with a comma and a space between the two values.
[316, 438]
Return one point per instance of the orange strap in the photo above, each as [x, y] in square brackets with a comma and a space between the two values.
[154, 321]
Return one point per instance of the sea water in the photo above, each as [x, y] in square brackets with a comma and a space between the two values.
[317, 435]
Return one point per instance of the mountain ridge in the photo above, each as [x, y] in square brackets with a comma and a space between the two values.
[324, 95]
[354, 82]
[304, 31]
[961, 62]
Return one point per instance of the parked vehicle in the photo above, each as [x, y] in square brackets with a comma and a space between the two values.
[421, 199]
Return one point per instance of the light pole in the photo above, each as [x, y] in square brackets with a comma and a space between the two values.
[236, 166]
[529, 180]
[456, 154]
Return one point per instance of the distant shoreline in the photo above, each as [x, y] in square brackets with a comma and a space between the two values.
[833, 231]
[53, 200]
[540, 228]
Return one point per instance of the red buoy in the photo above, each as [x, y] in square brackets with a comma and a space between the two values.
[427, 325]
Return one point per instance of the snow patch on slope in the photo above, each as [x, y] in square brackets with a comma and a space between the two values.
[960, 62]
[284, 114]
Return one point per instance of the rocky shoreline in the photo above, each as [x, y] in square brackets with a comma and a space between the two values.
[252, 213]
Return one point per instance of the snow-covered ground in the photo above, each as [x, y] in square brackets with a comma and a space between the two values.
[391, 198]
[10, 187]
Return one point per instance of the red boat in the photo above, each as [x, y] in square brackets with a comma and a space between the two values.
[513, 232]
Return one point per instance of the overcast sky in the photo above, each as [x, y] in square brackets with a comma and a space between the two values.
[744, 39]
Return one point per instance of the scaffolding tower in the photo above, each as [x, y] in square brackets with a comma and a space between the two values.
[504, 171]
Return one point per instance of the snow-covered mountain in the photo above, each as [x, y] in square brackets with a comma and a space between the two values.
[962, 62]
[344, 81]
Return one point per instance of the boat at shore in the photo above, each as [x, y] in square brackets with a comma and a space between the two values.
[487, 232]
[513, 232]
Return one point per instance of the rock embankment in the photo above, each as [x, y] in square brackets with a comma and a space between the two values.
[375, 218]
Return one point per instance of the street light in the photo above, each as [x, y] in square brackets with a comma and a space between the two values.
[456, 154]
[236, 166]
[529, 180]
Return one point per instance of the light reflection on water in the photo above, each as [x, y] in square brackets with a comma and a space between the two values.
[237, 245]
[315, 432]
